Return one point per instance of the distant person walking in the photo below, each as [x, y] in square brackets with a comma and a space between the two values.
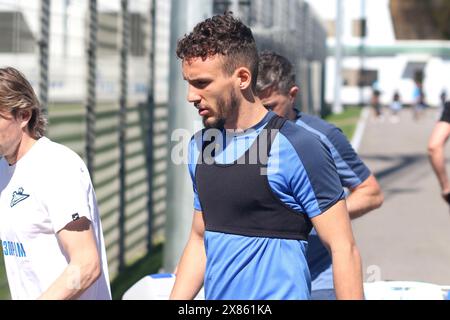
[436, 144]
[419, 100]
[442, 101]
[375, 101]
[396, 106]
[443, 98]
[50, 227]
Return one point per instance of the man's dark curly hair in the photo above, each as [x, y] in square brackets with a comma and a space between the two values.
[222, 34]
[276, 72]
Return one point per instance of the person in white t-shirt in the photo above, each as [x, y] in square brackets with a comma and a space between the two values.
[50, 228]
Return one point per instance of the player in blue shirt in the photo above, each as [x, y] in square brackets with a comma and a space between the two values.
[277, 90]
[260, 183]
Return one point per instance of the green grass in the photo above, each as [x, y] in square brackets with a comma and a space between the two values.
[4, 289]
[346, 121]
[149, 264]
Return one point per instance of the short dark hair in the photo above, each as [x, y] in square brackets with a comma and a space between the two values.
[222, 34]
[276, 72]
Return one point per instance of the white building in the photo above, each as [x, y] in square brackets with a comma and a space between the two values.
[383, 57]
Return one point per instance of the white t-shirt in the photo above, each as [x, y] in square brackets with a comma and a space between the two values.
[45, 190]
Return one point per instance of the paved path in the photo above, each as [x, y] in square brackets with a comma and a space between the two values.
[408, 238]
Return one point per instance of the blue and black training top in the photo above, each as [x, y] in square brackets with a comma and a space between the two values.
[250, 255]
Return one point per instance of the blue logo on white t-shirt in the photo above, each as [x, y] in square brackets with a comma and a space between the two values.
[11, 248]
[18, 196]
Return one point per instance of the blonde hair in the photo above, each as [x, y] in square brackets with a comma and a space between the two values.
[16, 95]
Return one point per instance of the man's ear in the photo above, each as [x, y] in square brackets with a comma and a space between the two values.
[245, 78]
[293, 92]
[24, 117]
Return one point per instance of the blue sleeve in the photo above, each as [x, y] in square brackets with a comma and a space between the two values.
[352, 171]
[313, 179]
[193, 154]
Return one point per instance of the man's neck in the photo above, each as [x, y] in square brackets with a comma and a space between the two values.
[292, 115]
[23, 147]
[247, 115]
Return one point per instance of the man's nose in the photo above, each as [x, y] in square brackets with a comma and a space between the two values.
[193, 95]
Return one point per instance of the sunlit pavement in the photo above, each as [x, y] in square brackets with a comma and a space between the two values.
[408, 238]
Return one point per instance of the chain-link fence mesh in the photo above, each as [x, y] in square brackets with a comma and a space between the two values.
[293, 29]
[96, 90]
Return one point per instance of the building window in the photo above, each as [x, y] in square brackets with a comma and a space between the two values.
[359, 28]
[414, 70]
[244, 8]
[330, 26]
[359, 78]
[267, 14]
[221, 6]
[16, 34]
[108, 33]
[138, 35]
[109, 37]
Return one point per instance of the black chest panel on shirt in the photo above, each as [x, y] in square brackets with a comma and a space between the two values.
[237, 198]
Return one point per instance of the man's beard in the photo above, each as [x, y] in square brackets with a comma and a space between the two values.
[225, 110]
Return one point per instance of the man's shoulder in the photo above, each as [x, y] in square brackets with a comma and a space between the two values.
[314, 123]
[61, 149]
[330, 134]
[59, 155]
[299, 137]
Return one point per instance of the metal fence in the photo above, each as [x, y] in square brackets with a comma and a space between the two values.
[94, 65]
[293, 29]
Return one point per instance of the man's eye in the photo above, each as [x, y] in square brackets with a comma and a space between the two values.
[269, 106]
[201, 84]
